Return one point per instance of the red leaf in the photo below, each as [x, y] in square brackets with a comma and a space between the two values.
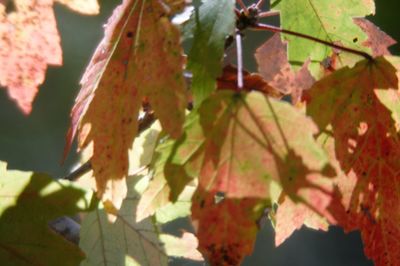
[377, 40]
[367, 148]
[29, 41]
[251, 82]
[226, 229]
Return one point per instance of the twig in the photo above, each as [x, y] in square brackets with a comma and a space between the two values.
[243, 6]
[144, 123]
[80, 171]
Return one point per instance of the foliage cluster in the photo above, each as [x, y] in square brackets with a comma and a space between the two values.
[311, 139]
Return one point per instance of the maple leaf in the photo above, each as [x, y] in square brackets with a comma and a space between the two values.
[227, 229]
[182, 247]
[291, 216]
[366, 146]
[377, 40]
[156, 197]
[127, 240]
[29, 42]
[124, 242]
[239, 144]
[29, 201]
[326, 20]
[211, 24]
[124, 70]
[157, 193]
[274, 67]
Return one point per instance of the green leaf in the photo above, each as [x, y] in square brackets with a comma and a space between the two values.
[211, 23]
[157, 194]
[178, 209]
[142, 151]
[331, 21]
[29, 201]
[123, 242]
[183, 247]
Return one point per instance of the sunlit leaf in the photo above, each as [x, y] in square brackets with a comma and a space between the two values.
[156, 197]
[240, 143]
[123, 241]
[330, 21]
[124, 69]
[366, 146]
[182, 247]
[89, 7]
[29, 42]
[241, 146]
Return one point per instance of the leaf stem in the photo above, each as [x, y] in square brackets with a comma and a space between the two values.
[239, 61]
[261, 26]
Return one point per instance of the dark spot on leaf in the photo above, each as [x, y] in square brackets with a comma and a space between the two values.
[364, 174]
[129, 34]
[355, 40]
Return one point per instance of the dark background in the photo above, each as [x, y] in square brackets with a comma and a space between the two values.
[36, 142]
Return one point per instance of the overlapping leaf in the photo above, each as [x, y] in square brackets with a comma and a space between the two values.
[366, 146]
[29, 42]
[274, 67]
[124, 69]
[29, 201]
[227, 229]
[182, 247]
[128, 242]
[211, 24]
[239, 145]
[331, 21]
[123, 242]
[156, 197]
[242, 142]
[377, 40]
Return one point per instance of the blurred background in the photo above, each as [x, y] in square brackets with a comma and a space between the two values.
[36, 142]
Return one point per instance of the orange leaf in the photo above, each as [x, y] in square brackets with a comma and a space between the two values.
[226, 229]
[366, 146]
[125, 69]
[29, 41]
[291, 216]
